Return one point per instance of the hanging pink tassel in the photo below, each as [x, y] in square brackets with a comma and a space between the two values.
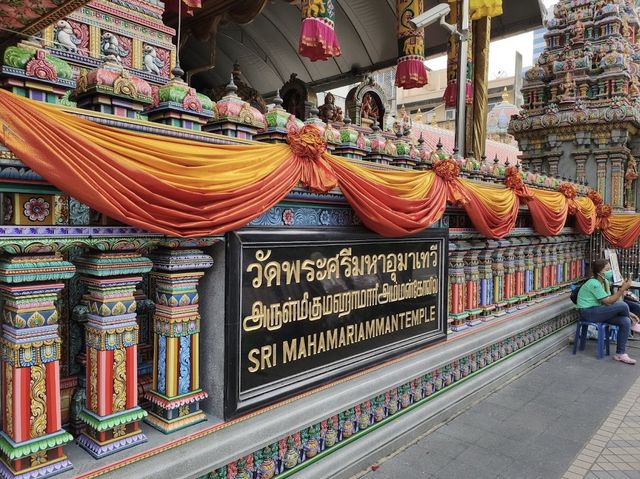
[318, 40]
[411, 72]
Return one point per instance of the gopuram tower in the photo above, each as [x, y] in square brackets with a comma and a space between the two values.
[581, 110]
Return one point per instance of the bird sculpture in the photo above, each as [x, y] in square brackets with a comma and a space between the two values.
[111, 49]
[152, 63]
[65, 37]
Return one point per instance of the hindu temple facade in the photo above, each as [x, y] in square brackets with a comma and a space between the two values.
[122, 346]
[580, 113]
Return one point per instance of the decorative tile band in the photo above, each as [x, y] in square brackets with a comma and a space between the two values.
[295, 452]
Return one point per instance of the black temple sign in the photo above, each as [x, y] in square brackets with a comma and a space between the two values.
[306, 307]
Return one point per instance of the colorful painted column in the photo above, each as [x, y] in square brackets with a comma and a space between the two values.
[457, 314]
[529, 267]
[472, 286]
[509, 294]
[176, 394]
[553, 266]
[485, 272]
[519, 273]
[546, 264]
[617, 161]
[601, 175]
[111, 411]
[497, 267]
[538, 264]
[32, 436]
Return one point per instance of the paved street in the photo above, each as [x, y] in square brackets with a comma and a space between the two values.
[568, 417]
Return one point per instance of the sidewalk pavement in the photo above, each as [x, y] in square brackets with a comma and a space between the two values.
[568, 417]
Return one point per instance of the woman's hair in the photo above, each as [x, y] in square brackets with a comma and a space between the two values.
[598, 265]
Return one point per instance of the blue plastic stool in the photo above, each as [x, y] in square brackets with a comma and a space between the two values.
[581, 337]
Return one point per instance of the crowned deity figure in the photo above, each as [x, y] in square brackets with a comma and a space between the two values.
[368, 110]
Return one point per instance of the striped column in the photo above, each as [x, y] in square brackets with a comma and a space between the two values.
[472, 287]
[175, 393]
[497, 267]
[111, 412]
[485, 272]
[32, 436]
[457, 313]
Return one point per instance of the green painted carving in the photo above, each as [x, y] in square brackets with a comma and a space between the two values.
[37, 445]
[113, 421]
[18, 57]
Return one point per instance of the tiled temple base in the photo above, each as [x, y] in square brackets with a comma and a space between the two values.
[172, 415]
[37, 458]
[107, 435]
[39, 473]
[98, 450]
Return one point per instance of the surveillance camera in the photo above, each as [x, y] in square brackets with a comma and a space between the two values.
[437, 13]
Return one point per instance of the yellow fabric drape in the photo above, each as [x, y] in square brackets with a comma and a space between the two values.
[485, 8]
[408, 184]
[499, 200]
[551, 199]
[184, 163]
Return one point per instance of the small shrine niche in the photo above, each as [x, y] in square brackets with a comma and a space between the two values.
[297, 99]
[366, 103]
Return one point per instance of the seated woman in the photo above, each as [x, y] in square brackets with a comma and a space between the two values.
[596, 304]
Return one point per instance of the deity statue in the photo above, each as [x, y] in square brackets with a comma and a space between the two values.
[369, 110]
[567, 89]
[577, 34]
[634, 88]
[329, 110]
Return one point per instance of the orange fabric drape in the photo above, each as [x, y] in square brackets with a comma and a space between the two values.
[188, 188]
[622, 231]
[585, 213]
[549, 211]
[391, 203]
[493, 211]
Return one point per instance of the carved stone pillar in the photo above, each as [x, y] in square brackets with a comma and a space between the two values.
[554, 161]
[176, 394]
[581, 164]
[32, 436]
[617, 161]
[111, 411]
[601, 174]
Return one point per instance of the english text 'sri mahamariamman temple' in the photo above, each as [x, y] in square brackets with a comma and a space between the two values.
[207, 273]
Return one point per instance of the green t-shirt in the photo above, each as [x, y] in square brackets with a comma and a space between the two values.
[591, 293]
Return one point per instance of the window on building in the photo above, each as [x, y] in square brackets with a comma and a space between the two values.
[450, 114]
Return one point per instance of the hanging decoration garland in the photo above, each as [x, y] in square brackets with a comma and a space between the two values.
[186, 188]
[411, 71]
[318, 40]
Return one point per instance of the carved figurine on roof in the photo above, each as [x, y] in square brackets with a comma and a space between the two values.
[297, 99]
[244, 91]
[581, 110]
[133, 35]
[329, 111]
[367, 103]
